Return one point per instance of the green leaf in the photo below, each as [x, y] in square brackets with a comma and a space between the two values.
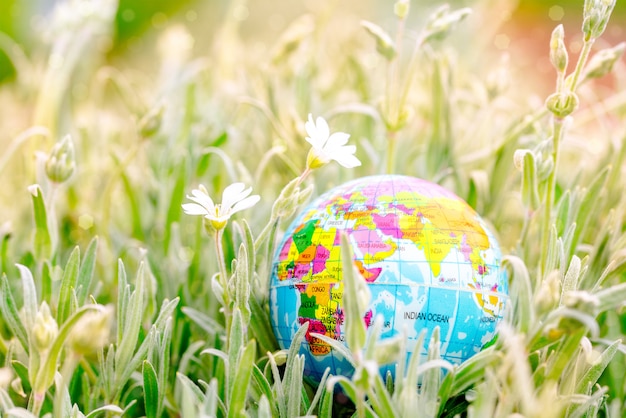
[235, 345]
[521, 292]
[260, 325]
[570, 281]
[471, 371]
[68, 286]
[22, 372]
[165, 313]
[326, 404]
[242, 285]
[130, 334]
[46, 282]
[264, 411]
[384, 44]
[192, 388]
[356, 298]
[587, 206]
[319, 393]
[85, 274]
[278, 385]
[43, 242]
[29, 296]
[237, 404]
[212, 400]
[107, 409]
[10, 314]
[150, 390]
[176, 197]
[594, 372]
[263, 388]
[293, 383]
[204, 321]
[612, 298]
[381, 400]
[123, 297]
[564, 354]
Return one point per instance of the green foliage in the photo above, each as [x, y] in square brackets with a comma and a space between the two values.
[113, 302]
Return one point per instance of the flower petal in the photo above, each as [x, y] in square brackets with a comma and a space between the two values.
[338, 139]
[194, 209]
[246, 203]
[202, 199]
[318, 132]
[345, 156]
[232, 194]
[322, 128]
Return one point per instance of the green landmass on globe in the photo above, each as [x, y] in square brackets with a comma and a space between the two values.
[427, 256]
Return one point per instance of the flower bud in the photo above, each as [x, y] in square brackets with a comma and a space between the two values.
[292, 37]
[558, 51]
[401, 8]
[582, 301]
[45, 329]
[549, 292]
[61, 163]
[602, 63]
[91, 332]
[596, 15]
[442, 21]
[384, 44]
[562, 104]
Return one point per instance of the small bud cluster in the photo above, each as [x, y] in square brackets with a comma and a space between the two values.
[558, 51]
[596, 15]
[61, 163]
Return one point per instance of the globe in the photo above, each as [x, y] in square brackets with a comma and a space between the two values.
[428, 259]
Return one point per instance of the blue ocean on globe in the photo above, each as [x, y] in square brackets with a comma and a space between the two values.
[428, 259]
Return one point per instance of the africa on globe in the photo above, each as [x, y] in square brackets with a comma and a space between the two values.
[428, 258]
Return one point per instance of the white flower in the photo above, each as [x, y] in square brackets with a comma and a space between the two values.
[234, 199]
[328, 147]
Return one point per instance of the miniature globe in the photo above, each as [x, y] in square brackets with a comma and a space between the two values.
[428, 258]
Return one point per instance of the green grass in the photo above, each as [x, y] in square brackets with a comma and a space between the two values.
[115, 302]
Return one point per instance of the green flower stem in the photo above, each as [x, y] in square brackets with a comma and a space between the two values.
[223, 279]
[391, 150]
[66, 376]
[580, 64]
[53, 224]
[408, 78]
[265, 232]
[557, 137]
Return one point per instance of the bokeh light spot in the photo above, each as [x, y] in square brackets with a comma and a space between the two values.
[128, 15]
[85, 221]
[556, 13]
[191, 15]
[159, 20]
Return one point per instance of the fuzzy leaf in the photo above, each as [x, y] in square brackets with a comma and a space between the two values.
[10, 314]
[150, 390]
[43, 242]
[594, 372]
[68, 286]
[85, 274]
[241, 381]
[29, 296]
[130, 334]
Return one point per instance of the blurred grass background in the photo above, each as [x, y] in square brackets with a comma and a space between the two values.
[525, 30]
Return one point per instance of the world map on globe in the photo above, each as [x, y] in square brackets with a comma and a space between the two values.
[427, 257]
